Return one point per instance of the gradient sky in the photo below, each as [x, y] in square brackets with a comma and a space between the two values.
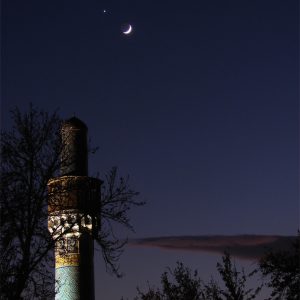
[199, 105]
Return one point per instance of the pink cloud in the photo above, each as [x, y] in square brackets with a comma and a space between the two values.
[242, 246]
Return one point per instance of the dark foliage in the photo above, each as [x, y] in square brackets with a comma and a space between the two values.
[179, 283]
[235, 281]
[282, 269]
[183, 284]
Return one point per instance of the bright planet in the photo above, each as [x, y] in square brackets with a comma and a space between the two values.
[126, 28]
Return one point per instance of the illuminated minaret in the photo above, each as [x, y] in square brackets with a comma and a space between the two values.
[73, 207]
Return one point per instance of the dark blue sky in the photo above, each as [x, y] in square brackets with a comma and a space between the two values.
[199, 105]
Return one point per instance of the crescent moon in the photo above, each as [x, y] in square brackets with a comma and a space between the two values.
[128, 30]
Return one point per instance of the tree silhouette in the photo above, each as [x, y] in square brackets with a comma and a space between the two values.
[30, 156]
[183, 284]
[282, 270]
[235, 281]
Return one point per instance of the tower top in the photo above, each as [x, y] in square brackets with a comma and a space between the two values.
[75, 122]
[74, 158]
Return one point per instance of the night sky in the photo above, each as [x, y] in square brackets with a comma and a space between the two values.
[199, 104]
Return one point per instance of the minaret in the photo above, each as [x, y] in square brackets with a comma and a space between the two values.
[74, 204]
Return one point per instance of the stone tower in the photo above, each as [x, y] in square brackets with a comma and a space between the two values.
[73, 208]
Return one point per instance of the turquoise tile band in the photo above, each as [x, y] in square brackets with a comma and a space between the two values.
[68, 283]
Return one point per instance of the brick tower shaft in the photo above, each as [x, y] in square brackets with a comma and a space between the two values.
[74, 200]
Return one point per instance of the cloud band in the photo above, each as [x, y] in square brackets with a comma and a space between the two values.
[242, 246]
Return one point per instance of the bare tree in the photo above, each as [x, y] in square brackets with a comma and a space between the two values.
[117, 198]
[30, 156]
